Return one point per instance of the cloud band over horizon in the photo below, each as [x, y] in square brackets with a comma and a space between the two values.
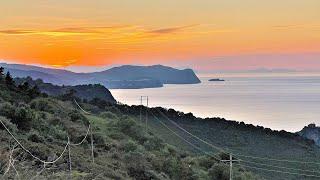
[100, 33]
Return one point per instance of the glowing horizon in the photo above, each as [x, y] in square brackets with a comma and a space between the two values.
[101, 33]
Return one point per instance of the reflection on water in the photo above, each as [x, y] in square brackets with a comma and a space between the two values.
[279, 101]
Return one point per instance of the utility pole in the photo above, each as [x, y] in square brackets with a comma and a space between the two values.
[147, 115]
[146, 98]
[230, 161]
[92, 147]
[69, 156]
[140, 108]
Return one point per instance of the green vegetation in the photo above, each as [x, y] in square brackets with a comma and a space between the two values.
[122, 149]
[87, 92]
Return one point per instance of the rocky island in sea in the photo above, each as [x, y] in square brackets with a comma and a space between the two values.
[216, 79]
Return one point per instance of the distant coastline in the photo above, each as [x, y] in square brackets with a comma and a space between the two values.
[122, 77]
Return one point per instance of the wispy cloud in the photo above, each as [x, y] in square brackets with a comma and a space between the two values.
[64, 64]
[120, 35]
[296, 26]
[67, 31]
[171, 29]
[40, 32]
[125, 30]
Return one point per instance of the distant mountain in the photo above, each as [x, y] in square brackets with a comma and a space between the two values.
[123, 77]
[88, 92]
[311, 132]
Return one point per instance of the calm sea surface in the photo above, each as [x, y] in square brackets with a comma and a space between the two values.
[277, 101]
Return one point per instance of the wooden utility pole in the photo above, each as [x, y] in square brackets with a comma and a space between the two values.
[69, 156]
[146, 98]
[141, 109]
[230, 161]
[92, 146]
[147, 114]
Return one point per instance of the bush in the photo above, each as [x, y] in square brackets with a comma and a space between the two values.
[7, 110]
[206, 162]
[58, 132]
[22, 116]
[108, 115]
[219, 172]
[129, 127]
[42, 105]
[137, 166]
[35, 137]
[77, 116]
[153, 143]
[12, 127]
[128, 146]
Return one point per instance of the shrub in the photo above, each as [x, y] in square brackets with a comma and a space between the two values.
[153, 143]
[58, 132]
[137, 166]
[206, 162]
[77, 116]
[108, 115]
[117, 135]
[12, 127]
[129, 127]
[35, 137]
[219, 172]
[7, 110]
[42, 104]
[98, 140]
[23, 117]
[128, 146]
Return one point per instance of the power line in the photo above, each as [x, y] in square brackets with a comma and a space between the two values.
[281, 167]
[278, 160]
[81, 107]
[188, 142]
[85, 137]
[67, 146]
[250, 156]
[26, 150]
[184, 130]
[222, 150]
[271, 170]
[89, 130]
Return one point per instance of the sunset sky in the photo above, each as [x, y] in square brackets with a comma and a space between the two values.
[201, 34]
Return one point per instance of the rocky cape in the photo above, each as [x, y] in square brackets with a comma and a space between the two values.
[122, 77]
[311, 132]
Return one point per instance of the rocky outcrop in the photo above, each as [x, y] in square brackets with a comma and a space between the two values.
[311, 132]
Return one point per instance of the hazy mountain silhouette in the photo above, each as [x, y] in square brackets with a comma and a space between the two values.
[126, 76]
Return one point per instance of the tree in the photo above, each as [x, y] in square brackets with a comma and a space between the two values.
[9, 79]
[69, 95]
[24, 86]
[1, 73]
[34, 91]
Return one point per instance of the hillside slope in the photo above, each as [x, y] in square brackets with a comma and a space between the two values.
[261, 150]
[55, 130]
[87, 92]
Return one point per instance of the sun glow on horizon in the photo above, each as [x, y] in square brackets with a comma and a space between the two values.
[61, 34]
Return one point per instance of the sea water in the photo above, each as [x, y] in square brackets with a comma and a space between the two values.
[287, 101]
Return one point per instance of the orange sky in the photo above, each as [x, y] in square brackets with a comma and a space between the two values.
[99, 32]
